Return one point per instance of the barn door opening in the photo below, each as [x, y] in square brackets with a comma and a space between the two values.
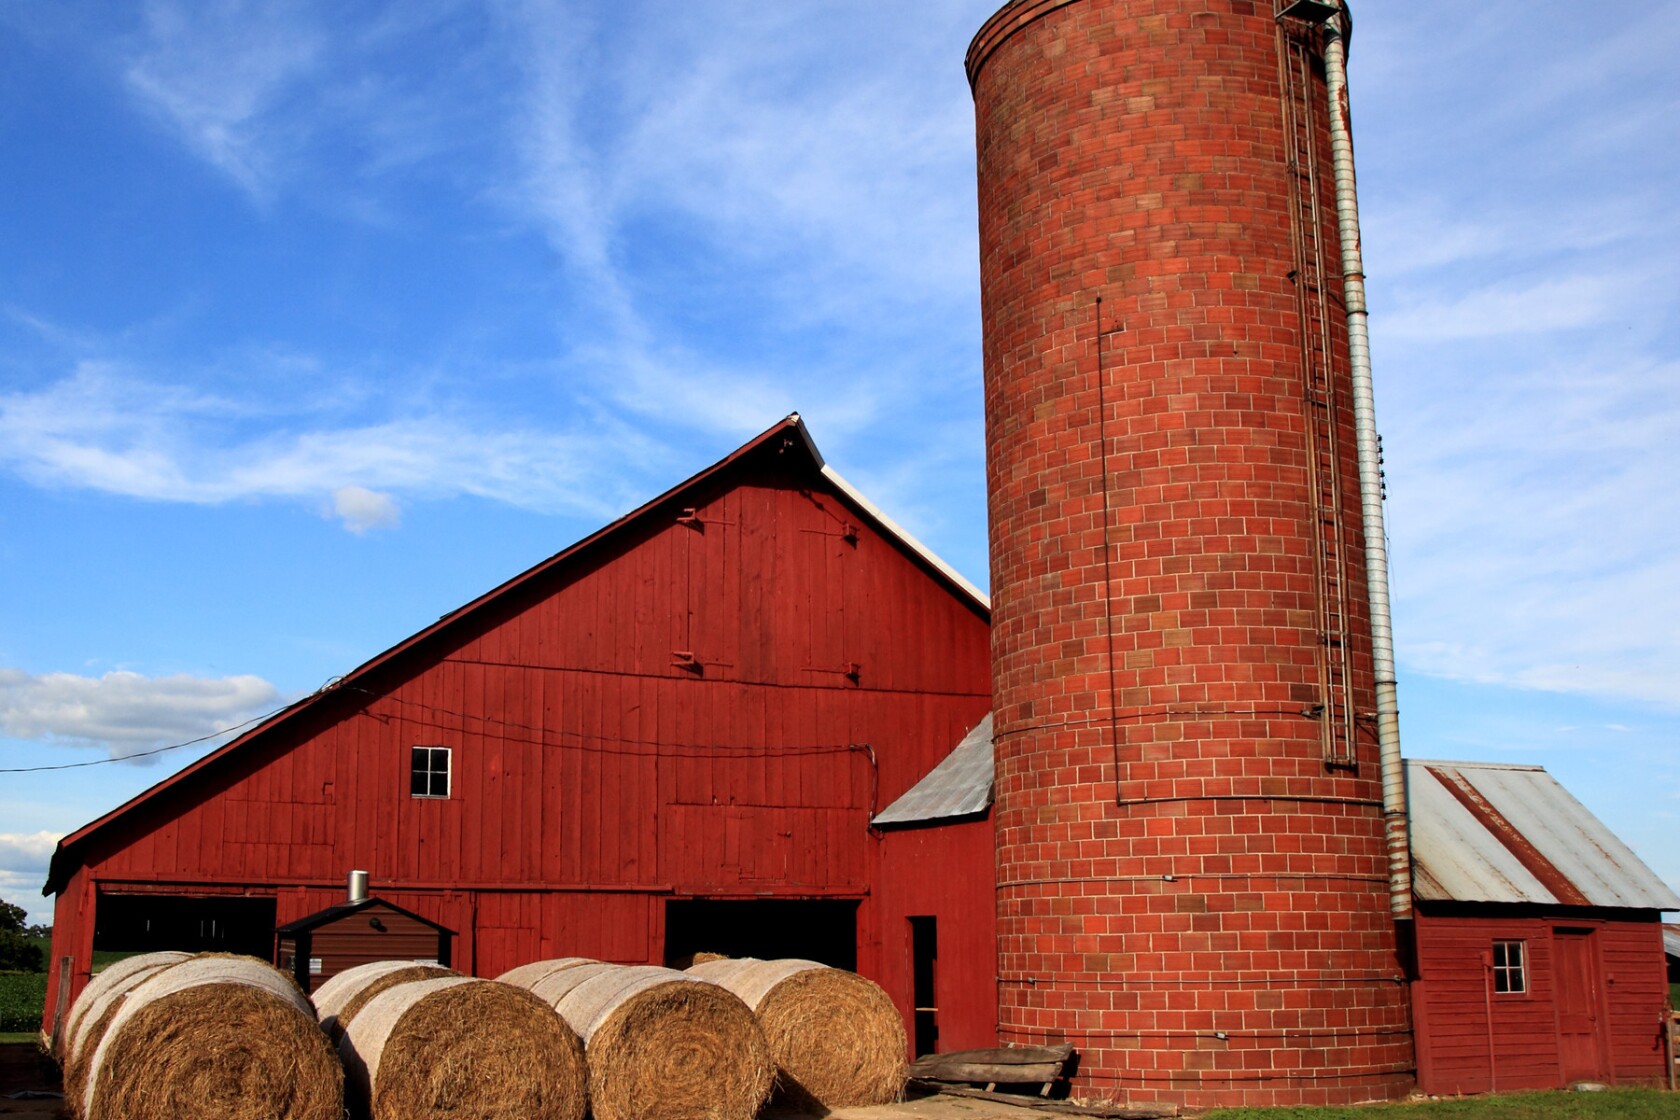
[924, 962]
[822, 930]
[1580, 1011]
[148, 923]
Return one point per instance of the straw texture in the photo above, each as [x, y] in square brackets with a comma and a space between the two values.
[220, 1037]
[338, 1001]
[454, 1047]
[836, 1037]
[661, 1045]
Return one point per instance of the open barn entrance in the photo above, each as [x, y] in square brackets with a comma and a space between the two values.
[823, 930]
[148, 923]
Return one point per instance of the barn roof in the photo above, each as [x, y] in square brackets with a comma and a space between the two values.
[788, 438]
[1489, 832]
[959, 786]
[1481, 831]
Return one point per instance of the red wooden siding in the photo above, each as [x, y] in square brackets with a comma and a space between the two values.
[710, 707]
[1451, 998]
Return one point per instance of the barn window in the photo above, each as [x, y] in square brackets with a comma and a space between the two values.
[429, 772]
[1508, 967]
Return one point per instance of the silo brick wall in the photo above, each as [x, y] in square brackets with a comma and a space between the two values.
[1187, 892]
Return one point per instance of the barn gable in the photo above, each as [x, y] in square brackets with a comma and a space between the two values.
[707, 699]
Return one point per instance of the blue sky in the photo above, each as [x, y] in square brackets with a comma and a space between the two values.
[319, 319]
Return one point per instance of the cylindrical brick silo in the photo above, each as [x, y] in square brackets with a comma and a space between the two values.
[1192, 875]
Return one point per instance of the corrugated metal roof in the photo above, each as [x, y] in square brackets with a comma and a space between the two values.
[1487, 832]
[1671, 940]
[960, 785]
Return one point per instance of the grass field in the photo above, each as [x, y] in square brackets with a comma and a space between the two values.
[1618, 1104]
[21, 997]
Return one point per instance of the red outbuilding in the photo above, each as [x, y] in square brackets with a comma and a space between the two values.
[671, 737]
[1539, 943]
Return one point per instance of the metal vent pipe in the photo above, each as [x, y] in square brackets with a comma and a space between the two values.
[358, 886]
[1370, 475]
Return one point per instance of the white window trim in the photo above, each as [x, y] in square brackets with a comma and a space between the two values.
[448, 772]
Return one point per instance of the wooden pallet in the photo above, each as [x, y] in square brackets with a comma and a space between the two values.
[1009, 1065]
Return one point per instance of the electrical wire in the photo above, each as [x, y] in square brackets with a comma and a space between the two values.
[146, 754]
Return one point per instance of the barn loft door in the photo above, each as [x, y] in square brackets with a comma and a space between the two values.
[1580, 1011]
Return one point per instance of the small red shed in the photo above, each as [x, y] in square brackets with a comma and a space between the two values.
[1538, 945]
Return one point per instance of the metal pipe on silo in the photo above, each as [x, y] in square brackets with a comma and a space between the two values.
[1370, 475]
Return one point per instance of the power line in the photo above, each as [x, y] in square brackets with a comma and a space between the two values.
[144, 754]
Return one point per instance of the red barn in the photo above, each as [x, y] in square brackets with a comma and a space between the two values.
[671, 737]
[1539, 951]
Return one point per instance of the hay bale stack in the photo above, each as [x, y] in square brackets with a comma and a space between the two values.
[527, 975]
[341, 998]
[689, 960]
[837, 1039]
[455, 1046]
[214, 1038]
[95, 1008]
[662, 1045]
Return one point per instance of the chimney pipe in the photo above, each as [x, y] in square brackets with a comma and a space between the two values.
[358, 886]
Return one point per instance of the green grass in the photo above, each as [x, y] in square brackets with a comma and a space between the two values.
[19, 1036]
[21, 997]
[1618, 1104]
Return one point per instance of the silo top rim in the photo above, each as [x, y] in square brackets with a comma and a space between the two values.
[1018, 13]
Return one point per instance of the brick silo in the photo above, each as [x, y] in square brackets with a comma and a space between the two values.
[1193, 880]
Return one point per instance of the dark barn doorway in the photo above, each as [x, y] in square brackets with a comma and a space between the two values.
[822, 930]
[147, 923]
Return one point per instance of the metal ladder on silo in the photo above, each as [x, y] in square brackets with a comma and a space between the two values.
[1297, 42]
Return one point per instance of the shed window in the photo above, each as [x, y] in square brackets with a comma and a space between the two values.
[429, 772]
[1508, 974]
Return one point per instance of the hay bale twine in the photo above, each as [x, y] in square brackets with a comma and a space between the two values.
[837, 1039]
[92, 1015]
[662, 1045]
[527, 975]
[454, 1046]
[217, 1038]
[343, 996]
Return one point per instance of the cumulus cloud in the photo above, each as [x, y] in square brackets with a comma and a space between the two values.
[126, 712]
[361, 509]
[23, 868]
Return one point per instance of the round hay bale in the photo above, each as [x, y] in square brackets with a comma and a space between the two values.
[338, 1001]
[112, 976]
[837, 1039]
[662, 1045]
[689, 960]
[214, 1038]
[92, 1016]
[527, 975]
[455, 1046]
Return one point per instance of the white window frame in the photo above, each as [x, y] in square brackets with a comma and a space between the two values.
[1512, 971]
[431, 771]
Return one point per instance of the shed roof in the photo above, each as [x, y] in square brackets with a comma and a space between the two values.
[1492, 832]
[1481, 831]
[343, 910]
[959, 786]
[787, 436]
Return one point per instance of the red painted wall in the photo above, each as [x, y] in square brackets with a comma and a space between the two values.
[1185, 890]
[1452, 1000]
[595, 777]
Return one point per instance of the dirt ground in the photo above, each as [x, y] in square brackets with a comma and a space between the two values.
[25, 1070]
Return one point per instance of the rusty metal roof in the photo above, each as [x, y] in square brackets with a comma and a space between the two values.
[1490, 832]
[959, 786]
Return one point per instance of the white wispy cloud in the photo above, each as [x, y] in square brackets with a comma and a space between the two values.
[126, 712]
[217, 71]
[105, 430]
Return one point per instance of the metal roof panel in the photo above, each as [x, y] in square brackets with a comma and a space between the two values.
[960, 785]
